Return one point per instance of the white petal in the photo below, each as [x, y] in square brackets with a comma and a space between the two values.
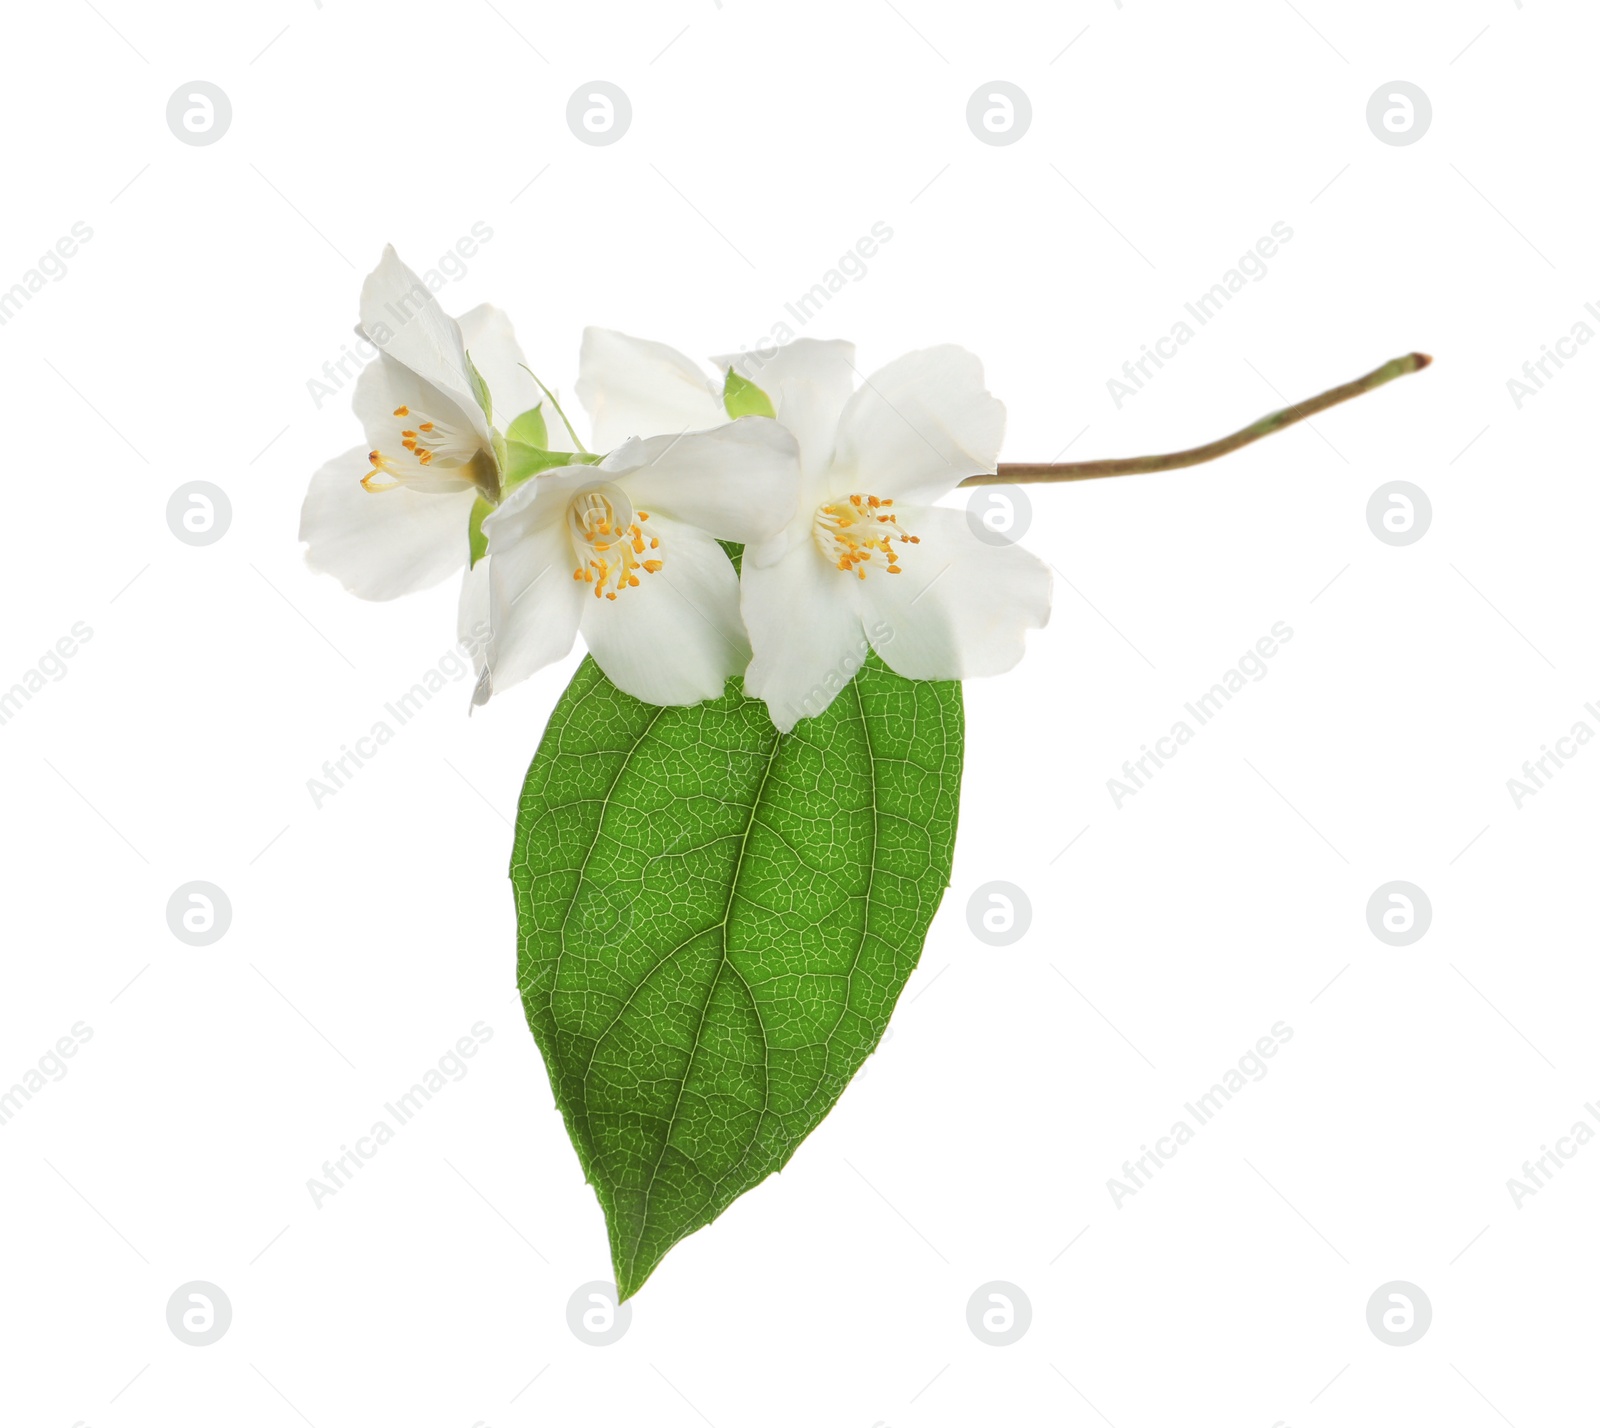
[631, 387]
[385, 386]
[472, 627]
[495, 352]
[381, 544]
[404, 320]
[919, 426]
[960, 606]
[472, 610]
[809, 382]
[492, 345]
[676, 636]
[737, 482]
[533, 599]
[806, 633]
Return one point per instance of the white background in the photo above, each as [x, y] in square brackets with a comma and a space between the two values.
[1228, 895]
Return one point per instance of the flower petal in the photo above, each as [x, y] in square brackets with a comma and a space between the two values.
[806, 632]
[737, 482]
[492, 344]
[533, 599]
[960, 607]
[809, 382]
[386, 386]
[404, 320]
[472, 610]
[631, 387]
[676, 636]
[472, 625]
[916, 428]
[381, 544]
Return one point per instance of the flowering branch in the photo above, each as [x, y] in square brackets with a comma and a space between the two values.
[1011, 473]
[469, 467]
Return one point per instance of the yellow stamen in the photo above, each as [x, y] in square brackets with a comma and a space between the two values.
[608, 540]
[857, 531]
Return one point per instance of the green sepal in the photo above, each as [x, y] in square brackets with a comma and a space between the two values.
[525, 461]
[480, 389]
[741, 397]
[530, 429]
[477, 541]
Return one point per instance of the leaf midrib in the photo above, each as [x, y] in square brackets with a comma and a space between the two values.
[723, 961]
[866, 909]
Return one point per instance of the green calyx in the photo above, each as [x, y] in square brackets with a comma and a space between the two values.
[741, 397]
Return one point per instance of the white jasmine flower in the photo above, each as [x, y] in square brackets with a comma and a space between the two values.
[626, 552]
[868, 559]
[391, 516]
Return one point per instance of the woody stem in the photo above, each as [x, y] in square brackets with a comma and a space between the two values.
[1010, 473]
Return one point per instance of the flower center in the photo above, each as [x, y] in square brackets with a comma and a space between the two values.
[425, 445]
[858, 532]
[609, 541]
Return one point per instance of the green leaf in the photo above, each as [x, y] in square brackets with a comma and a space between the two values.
[715, 923]
[529, 428]
[741, 397]
[477, 541]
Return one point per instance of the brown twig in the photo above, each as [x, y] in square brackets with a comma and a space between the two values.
[1011, 473]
